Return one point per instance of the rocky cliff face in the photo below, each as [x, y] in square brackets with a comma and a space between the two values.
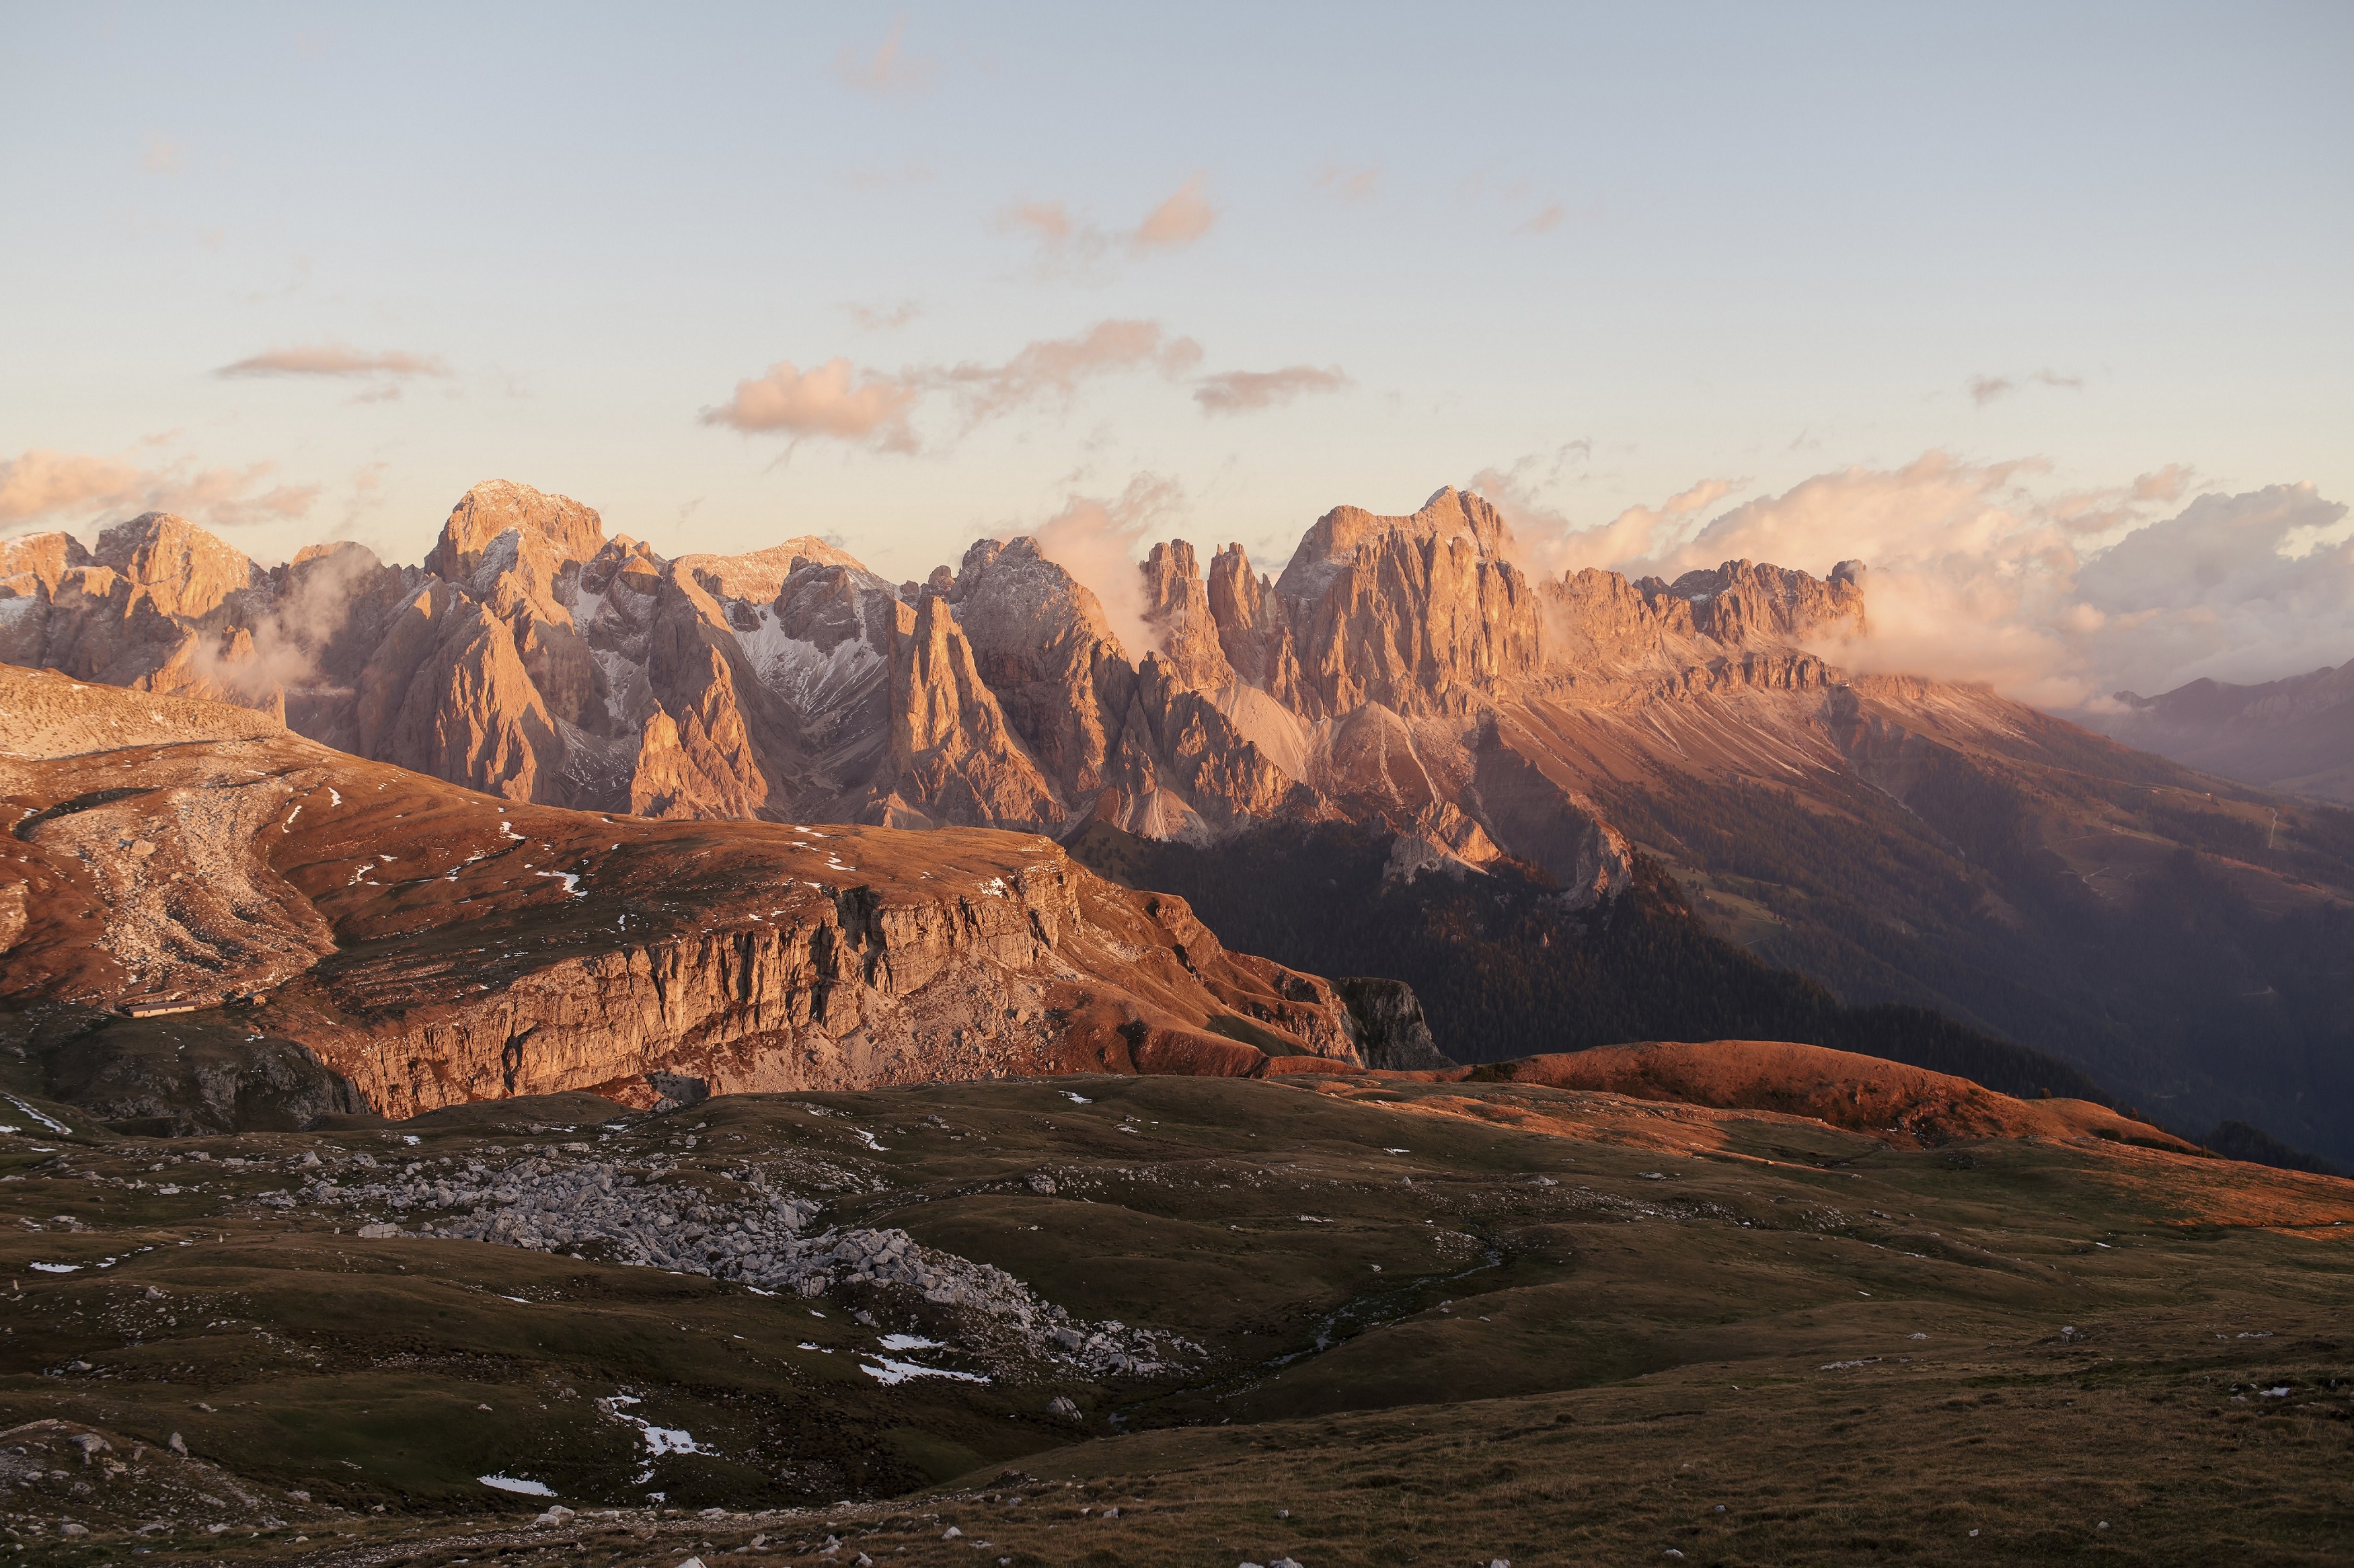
[1387, 675]
[433, 944]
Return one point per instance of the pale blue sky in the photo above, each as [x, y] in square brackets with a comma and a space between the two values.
[1754, 243]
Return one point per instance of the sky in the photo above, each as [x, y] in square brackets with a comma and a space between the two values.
[2042, 311]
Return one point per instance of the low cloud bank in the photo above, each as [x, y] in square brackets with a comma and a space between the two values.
[81, 490]
[1975, 572]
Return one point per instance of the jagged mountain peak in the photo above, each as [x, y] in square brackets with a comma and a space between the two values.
[1333, 541]
[555, 528]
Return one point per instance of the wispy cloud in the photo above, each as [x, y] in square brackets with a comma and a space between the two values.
[1052, 368]
[76, 489]
[1068, 244]
[1240, 391]
[890, 68]
[1986, 389]
[1546, 221]
[334, 359]
[884, 318]
[164, 157]
[876, 408]
[1349, 182]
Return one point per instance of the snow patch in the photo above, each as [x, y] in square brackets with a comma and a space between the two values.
[45, 1121]
[890, 1371]
[513, 1483]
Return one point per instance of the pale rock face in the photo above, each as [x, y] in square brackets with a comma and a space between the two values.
[953, 757]
[1410, 612]
[1177, 607]
[1741, 603]
[508, 544]
[186, 572]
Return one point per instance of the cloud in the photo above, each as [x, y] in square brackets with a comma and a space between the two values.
[1096, 540]
[1986, 389]
[1549, 543]
[1975, 572]
[1546, 221]
[1052, 368]
[1239, 391]
[1176, 223]
[1049, 220]
[832, 400]
[885, 318]
[874, 408]
[333, 359]
[889, 70]
[73, 490]
[164, 157]
[1349, 182]
[1068, 245]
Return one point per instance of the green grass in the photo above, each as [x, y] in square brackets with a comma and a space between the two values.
[1566, 1373]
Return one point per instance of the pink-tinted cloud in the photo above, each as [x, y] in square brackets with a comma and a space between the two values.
[1548, 543]
[1176, 223]
[164, 157]
[1974, 572]
[1546, 221]
[1050, 221]
[1053, 368]
[1068, 244]
[885, 318]
[1096, 540]
[77, 488]
[333, 359]
[831, 399]
[1349, 182]
[889, 70]
[1239, 391]
[840, 402]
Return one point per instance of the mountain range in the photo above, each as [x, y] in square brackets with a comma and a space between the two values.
[2295, 735]
[1484, 737]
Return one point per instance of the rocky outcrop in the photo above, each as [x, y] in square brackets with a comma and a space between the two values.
[434, 946]
[1177, 607]
[1391, 1034]
[177, 1078]
[1741, 603]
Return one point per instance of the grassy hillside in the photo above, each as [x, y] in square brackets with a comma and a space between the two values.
[1421, 1325]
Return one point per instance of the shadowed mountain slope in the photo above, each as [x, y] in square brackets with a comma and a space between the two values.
[2296, 736]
